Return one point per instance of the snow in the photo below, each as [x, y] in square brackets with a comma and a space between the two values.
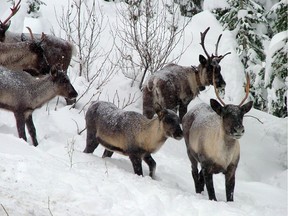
[46, 181]
[214, 4]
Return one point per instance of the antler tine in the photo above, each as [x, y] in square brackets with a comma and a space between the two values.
[43, 36]
[216, 90]
[14, 10]
[246, 89]
[222, 56]
[217, 44]
[30, 31]
[203, 35]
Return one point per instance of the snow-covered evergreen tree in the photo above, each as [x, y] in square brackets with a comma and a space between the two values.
[244, 17]
[189, 8]
[276, 69]
[34, 7]
[278, 16]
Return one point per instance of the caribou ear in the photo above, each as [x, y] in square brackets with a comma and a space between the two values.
[160, 111]
[202, 60]
[246, 107]
[157, 107]
[54, 71]
[216, 106]
[161, 114]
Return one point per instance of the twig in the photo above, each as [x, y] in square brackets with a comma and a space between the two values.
[49, 206]
[254, 118]
[131, 99]
[106, 172]
[70, 151]
[4, 210]
[78, 131]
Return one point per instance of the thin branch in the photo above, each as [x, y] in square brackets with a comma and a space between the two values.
[50, 212]
[254, 118]
[78, 130]
[4, 209]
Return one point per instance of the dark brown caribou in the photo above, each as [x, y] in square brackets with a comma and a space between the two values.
[22, 93]
[25, 56]
[211, 135]
[130, 133]
[174, 86]
[56, 50]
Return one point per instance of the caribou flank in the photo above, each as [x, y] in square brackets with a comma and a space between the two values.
[22, 93]
[130, 133]
[56, 50]
[175, 86]
[24, 56]
[211, 135]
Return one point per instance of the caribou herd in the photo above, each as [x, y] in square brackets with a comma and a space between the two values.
[33, 71]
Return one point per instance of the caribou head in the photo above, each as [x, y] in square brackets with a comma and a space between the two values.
[6, 23]
[211, 63]
[231, 114]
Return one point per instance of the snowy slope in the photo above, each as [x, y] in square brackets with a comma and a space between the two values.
[46, 181]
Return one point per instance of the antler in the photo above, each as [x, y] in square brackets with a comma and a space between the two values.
[246, 89]
[216, 90]
[30, 31]
[219, 58]
[217, 44]
[14, 10]
[43, 36]
[203, 35]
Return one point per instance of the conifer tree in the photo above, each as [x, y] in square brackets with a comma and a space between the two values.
[34, 7]
[276, 71]
[243, 17]
[189, 8]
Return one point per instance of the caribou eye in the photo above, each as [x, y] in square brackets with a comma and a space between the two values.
[64, 81]
[168, 120]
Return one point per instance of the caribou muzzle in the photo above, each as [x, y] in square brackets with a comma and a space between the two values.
[178, 134]
[237, 132]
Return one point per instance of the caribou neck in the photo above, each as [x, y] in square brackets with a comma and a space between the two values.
[41, 91]
[228, 141]
[194, 79]
[156, 134]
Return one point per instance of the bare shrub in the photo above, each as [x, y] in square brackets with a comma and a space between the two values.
[149, 31]
[84, 23]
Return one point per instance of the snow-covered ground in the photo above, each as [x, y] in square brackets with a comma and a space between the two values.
[47, 181]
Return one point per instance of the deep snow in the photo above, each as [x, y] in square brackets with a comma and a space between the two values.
[46, 181]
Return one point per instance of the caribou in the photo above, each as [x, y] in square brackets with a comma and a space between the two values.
[22, 93]
[211, 135]
[25, 56]
[174, 86]
[56, 50]
[130, 133]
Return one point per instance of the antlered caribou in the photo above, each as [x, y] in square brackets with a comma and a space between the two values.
[211, 135]
[175, 86]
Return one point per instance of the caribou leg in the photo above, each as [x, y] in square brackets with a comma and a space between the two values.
[20, 122]
[107, 153]
[137, 163]
[31, 129]
[152, 165]
[91, 140]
